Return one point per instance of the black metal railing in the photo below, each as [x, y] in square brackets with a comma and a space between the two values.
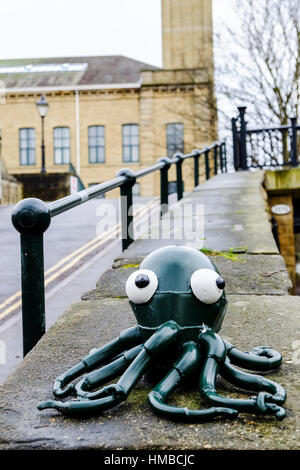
[31, 217]
[265, 147]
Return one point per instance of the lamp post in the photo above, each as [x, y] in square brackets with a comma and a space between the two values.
[42, 106]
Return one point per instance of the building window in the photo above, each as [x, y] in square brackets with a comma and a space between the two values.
[174, 139]
[27, 146]
[130, 138]
[61, 145]
[96, 144]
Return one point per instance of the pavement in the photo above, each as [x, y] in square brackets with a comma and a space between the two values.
[238, 238]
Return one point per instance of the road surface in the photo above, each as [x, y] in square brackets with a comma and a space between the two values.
[79, 246]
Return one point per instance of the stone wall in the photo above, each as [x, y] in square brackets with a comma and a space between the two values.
[283, 187]
[187, 33]
[285, 232]
[10, 189]
[11, 192]
[48, 187]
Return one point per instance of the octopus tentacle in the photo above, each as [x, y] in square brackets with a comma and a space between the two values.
[260, 358]
[104, 374]
[78, 408]
[253, 382]
[183, 368]
[114, 394]
[215, 353]
[215, 358]
[128, 338]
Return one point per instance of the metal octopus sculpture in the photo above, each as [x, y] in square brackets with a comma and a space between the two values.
[178, 298]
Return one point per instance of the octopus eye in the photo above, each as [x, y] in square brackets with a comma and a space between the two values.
[142, 280]
[220, 283]
[207, 285]
[141, 285]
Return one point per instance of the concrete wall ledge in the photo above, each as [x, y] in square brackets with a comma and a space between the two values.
[260, 312]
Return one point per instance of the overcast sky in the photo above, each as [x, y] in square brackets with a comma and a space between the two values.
[57, 28]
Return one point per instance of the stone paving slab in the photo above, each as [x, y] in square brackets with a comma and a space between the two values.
[250, 321]
[214, 239]
[255, 241]
[233, 217]
[229, 201]
[250, 229]
[179, 213]
[239, 179]
[243, 274]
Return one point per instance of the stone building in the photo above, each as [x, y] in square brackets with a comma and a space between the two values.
[110, 112]
[10, 189]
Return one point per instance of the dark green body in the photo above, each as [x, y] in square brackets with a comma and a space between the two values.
[177, 335]
[174, 300]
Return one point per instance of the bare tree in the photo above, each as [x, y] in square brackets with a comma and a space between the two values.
[258, 60]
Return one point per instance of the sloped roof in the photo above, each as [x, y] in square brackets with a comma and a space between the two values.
[71, 71]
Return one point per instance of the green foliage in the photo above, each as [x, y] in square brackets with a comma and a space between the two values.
[231, 254]
[126, 266]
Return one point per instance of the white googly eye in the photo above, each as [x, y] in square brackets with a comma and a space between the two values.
[141, 285]
[207, 285]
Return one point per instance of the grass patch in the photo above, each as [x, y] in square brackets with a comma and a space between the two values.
[126, 266]
[238, 249]
[231, 254]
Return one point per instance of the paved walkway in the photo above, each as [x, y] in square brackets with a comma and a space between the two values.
[238, 237]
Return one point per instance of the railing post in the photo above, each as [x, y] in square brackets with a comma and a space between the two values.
[126, 207]
[196, 167]
[224, 156]
[235, 145]
[215, 159]
[31, 218]
[294, 156]
[243, 146]
[179, 181]
[207, 169]
[164, 185]
[221, 157]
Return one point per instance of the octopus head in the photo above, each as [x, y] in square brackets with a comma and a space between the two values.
[177, 283]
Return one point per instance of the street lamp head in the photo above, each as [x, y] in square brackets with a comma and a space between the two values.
[42, 106]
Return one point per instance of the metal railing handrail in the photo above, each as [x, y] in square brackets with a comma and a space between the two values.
[31, 217]
[284, 127]
[150, 169]
[68, 202]
[240, 142]
[268, 129]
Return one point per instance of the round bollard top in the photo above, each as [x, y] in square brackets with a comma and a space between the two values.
[31, 216]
